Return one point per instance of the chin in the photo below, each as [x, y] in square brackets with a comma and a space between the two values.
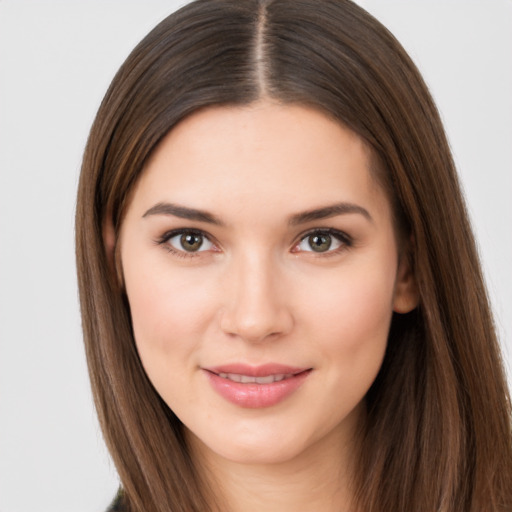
[256, 444]
[269, 453]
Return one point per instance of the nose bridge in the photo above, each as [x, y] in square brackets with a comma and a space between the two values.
[255, 308]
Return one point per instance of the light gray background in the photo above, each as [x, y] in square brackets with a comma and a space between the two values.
[56, 61]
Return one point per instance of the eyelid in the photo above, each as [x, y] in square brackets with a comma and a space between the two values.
[168, 235]
[345, 240]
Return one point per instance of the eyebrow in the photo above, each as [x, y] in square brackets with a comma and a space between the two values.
[183, 213]
[327, 212]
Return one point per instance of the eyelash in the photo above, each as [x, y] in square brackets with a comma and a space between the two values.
[164, 239]
[345, 240]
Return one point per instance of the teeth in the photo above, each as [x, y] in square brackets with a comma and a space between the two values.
[266, 380]
[249, 379]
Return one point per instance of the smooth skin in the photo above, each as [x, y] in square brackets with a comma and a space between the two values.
[251, 279]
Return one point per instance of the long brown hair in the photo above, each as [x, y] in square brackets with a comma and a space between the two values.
[438, 434]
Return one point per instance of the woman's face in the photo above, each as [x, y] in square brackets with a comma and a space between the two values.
[261, 267]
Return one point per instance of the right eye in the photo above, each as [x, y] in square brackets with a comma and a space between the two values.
[190, 242]
[187, 242]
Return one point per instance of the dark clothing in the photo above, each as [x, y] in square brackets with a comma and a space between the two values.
[118, 504]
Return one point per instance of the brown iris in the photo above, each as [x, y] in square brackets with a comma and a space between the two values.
[320, 242]
[191, 242]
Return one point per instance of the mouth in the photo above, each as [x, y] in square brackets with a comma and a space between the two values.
[249, 379]
[256, 386]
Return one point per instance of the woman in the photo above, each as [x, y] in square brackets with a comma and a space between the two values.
[281, 297]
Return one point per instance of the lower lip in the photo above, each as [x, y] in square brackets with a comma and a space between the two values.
[253, 395]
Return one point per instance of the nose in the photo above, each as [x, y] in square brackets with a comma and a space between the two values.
[256, 306]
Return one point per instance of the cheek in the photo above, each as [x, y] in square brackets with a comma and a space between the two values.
[170, 308]
[350, 326]
[351, 315]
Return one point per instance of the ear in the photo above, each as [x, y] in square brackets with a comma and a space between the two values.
[109, 240]
[406, 295]
[111, 243]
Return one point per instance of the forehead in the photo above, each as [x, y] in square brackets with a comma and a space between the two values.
[266, 154]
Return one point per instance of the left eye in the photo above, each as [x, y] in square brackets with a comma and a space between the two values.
[321, 241]
[190, 241]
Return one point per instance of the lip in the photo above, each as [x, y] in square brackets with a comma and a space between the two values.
[255, 395]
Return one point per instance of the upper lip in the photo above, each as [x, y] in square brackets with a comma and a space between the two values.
[263, 370]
